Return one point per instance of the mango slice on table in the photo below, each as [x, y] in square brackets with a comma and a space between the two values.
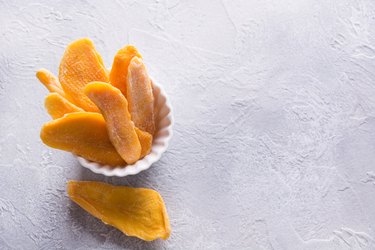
[50, 81]
[57, 106]
[114, 107]
[119, 72]
[138, 212]
[84, 134]
[140, 96]
[146, 141]
[81, 64]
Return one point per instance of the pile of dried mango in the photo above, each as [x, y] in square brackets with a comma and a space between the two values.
[106, 117]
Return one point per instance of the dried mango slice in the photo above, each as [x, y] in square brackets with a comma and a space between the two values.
[146, 141]
[138, 212]
[84, 134]
[119, 71]
[50, 81]
[57, 106]
[114, 107]
[80, 65]
[140, 96]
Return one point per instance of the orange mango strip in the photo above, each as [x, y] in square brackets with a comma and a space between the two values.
[114, 107]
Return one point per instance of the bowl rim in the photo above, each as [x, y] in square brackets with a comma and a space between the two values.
[147, 161]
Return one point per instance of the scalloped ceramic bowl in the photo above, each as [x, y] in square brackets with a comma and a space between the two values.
[160, 142]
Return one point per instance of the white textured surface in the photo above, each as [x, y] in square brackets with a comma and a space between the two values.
[274, 106]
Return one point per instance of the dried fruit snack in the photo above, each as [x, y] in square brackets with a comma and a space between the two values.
[84, 89]
[57, 106]
[119, 72]
[146, 141]
[84, 134]
[50, 81]
[138, 212]
[140, 96]
[114, 107]
[81, 64]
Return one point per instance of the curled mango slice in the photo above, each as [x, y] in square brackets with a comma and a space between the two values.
[81, 64]
[84, 134]
[50, 81]
[57, 106]
[119, 71]
[114, 107]
[138, 212]
[140, 96]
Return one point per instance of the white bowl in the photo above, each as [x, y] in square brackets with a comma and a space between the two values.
[163, 134]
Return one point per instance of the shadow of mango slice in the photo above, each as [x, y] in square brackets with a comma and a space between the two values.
[138, 212]
[84, 134]
[57, 106]
[121, 130]
[81, 64]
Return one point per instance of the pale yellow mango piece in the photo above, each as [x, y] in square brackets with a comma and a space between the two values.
[81, 64]
[119, 72]
[50, 81]
[84, 134]
[57, 106]
[140, 96]
[121, 130]
[146, 141]
[138, 212]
